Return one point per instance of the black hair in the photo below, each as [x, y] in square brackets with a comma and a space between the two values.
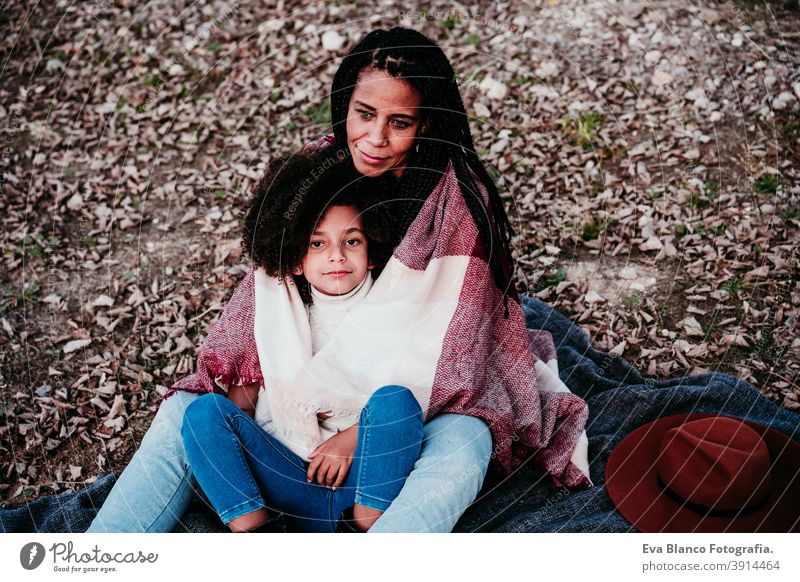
[292, 198]
[411, 56]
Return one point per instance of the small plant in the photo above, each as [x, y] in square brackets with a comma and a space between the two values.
[214, 48]
[548, 281]
[699, 202]
[633, 300]
[473, 39]
[766, 184]
[680, 230]
[320, 113]
[592, 230]
[734, 286]
[584, 129]
[450, 22]
[719, 230]
[790, 214]
[10, 296]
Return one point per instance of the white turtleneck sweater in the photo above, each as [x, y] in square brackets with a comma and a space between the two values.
[324, 315]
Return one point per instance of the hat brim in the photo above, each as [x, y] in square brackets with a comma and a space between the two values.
[632, 483]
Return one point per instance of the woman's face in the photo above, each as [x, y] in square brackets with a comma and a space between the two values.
[383, 120]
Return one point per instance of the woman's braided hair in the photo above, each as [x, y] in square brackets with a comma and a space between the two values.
[411, 56]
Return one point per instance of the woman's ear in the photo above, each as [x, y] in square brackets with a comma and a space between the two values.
[424, 126]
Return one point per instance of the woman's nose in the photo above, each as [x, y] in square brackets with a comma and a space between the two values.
[377, 135]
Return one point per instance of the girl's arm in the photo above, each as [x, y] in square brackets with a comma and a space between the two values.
[244, 397]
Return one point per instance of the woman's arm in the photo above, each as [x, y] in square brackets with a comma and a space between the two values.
[244, 397]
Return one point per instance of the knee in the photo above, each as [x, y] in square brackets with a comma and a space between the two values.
[392, 403]
[205, 411]
[468, 442]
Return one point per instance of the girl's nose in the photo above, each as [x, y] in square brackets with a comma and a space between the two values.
[336, 256]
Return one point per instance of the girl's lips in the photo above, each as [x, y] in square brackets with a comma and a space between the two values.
[338, 273]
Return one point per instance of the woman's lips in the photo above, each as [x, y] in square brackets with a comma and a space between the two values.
[372, 160]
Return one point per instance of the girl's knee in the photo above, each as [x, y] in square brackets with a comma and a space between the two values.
[392, 403]
[204, 411]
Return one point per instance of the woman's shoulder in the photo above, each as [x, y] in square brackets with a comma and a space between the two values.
[318, 145]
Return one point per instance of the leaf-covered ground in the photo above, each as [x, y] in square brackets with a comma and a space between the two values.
[648, 153]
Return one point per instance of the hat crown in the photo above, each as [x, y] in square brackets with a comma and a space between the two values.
[717, 463]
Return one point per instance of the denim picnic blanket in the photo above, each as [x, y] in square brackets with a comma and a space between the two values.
[620, 400]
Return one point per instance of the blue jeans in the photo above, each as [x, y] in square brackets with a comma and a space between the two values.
[156, 487]
[242, 468]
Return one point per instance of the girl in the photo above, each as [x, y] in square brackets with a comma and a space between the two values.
[328, 248]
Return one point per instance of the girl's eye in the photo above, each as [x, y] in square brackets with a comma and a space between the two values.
[353, 242]
[316, 244]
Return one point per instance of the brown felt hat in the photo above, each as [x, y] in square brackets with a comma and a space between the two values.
[705, 473]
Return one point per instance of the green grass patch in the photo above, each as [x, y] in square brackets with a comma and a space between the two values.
[633, 300]
[766, 184]
[591, 230]
[734, 286]
[583, 130]
[11, 296]
[320, 113]
[550, 280]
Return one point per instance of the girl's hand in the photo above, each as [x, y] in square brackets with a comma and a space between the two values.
[331, 461]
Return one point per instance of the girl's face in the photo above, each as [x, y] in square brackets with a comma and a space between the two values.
[336, 260]
[383, 120]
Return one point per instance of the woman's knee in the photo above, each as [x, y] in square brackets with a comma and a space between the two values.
[392, 403]
[464, 440]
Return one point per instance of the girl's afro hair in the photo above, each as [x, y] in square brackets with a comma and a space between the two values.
[292, 197]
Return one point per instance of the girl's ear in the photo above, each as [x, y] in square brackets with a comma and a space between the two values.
[298, 270]
[370, 266]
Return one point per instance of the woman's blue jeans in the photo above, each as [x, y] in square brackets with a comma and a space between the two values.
[155, 489]
[242, 468]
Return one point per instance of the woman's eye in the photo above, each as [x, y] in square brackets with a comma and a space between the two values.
[365, 114]
[397, 124]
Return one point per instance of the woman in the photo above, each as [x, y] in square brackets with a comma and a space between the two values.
[397, 110]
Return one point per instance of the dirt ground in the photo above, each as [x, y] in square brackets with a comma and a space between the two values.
[647, 152]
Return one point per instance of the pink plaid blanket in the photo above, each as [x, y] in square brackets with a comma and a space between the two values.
[433, 321]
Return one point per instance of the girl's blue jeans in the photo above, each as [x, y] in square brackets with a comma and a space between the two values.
[157, 486]
[242, 468]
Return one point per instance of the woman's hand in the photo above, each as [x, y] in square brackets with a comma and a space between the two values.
[331, 461]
